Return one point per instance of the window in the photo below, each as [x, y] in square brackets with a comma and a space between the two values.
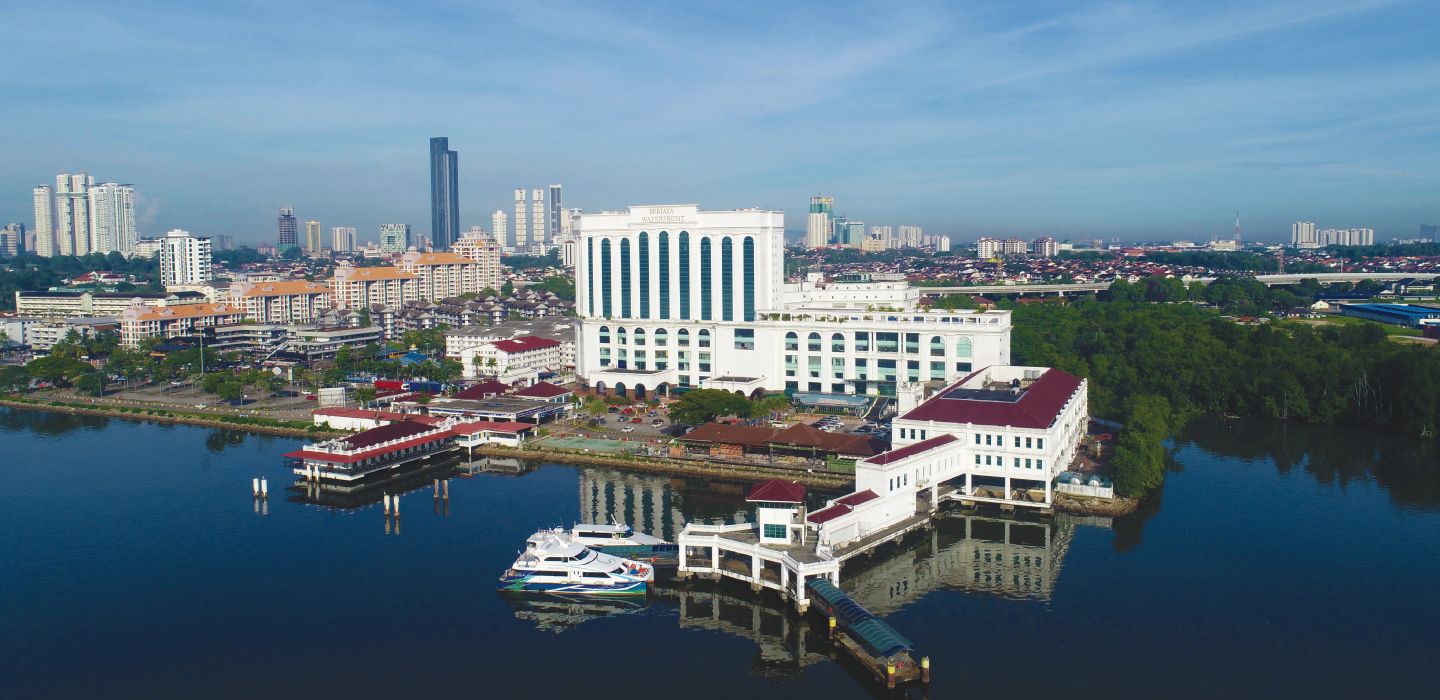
[792, 341]
[706, 313]
[988, 438]
[590, 274]
[814, 365]
[790, 365]
[912, 370]
[922, 434]
[937, 346]
[1017, 440]
[776, 532]
[1039, 464]
[812, 343]
[682, 337]
[962, 366]
[837, 343]
[963, 348]
[1040, 443]
[792, 386]
[977, 438]
[1017, 462]
[620, 334]
[912, 343]
[748, 273]
[684, 274]
[625, 278]
[704, 362]
[744, 338]
[664, 274]
[604, 334]
[937, 370]
[1027, 463]
[727, 280]
[644, 275]
[703, 339]
[662, 337]
[605, 275]
[639, 336]
[887, 342]
[1028, 443]
[977, 460]
[862, 342]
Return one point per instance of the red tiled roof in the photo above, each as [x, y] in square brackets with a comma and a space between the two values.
[365, 454]
[798, 435]
[1038, 407]
[484, 390]
[749, 436]
[543, 390]
[481, 426]
[385, 433]
[777, 491]
[858, 497]
[525, 343]
[911, 450]
[825, 515]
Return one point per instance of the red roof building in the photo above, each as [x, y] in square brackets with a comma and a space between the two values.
[776, 491]
[544, 391]
[1017, 404]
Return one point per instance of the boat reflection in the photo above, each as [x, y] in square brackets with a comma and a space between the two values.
[557, 613]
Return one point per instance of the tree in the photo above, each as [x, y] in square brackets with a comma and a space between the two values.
[364, 394]
[595, 407]
[14, 378]
[92, 383]
[507, 289]
[230, 390]
[704, 405]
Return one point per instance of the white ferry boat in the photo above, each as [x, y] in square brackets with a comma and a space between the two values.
[554, 564]
[617, 540]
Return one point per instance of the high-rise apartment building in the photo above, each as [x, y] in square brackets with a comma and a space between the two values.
[557, 213]
[287, 234]
[910, 236]
[44, 221]
[444, 194]
[537, 217]
[498, 224]
[12, 240]
[72, 213]
[819, 222]
[1046, 247]
[1302, 233]
[394, 238]
[184, 259]
[112, 218]
[342, 239]
[1429, 231]
[522, 230]
[314, 245]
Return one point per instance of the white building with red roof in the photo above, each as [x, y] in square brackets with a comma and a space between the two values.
[516, 361]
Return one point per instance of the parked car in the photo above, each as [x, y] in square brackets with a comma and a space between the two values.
[636, 419]
[613, 409]
[657, 422]
[628, 428]
[311, 397]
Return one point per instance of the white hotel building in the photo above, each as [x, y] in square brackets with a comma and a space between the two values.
[672, 296]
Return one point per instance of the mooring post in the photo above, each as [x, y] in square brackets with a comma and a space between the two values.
[925, 669]
[255, 486]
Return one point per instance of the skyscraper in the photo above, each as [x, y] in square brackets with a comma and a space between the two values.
[498, 226]
[521, 229]
[72, 213]
[394, 238]
[44, 221]
[818, 225]
[537, 217]
[444, 186]
[313, 244]
[184, 259]
[1303, 233]
[12, 239]
[286, 234]
[342, 239]
[557, 213]
[112, 218]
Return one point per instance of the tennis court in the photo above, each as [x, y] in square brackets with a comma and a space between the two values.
[571, 442]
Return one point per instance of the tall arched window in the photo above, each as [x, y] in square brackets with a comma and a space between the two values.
[604, 334]
[664, 270]
[620, 336]
[837, 342]
[606, 305]
[682, 338]
[727, 279]
[812, 343]
[748, 273]
[792, 341]
[639, 336]
[706, 313]
[662, 338]
[625, 278]
[937, 346]
[702, 339]
[644, 275]
[963, 347]
[684, 254]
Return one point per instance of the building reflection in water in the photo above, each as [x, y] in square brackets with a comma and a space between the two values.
[656, 505]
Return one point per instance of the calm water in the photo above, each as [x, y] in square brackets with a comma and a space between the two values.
[1278, 563]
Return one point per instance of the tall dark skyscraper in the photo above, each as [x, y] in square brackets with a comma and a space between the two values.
[556, 212]
[286, 233]
[444, 195]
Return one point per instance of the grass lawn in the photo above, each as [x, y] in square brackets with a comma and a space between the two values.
[1351, 320]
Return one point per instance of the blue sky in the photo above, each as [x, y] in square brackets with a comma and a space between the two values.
[1148, 120]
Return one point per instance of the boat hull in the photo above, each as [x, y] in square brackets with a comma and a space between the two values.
[633, 588]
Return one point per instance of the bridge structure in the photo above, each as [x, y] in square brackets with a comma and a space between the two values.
[1093, 287]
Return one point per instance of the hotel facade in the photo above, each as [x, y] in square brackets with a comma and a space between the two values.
[672, 296]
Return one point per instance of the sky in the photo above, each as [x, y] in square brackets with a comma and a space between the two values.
[1135, 120]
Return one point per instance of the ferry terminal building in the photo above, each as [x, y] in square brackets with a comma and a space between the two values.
[675, 297]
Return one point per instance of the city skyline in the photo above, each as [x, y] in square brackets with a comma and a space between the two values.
[1139, 121]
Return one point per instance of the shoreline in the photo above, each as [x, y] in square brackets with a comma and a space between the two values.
[1064, 503]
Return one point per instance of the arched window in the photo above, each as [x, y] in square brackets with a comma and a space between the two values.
[703, 338]
[706, 313]
[604, 334]
[684, 255]
[682, 338]
[639, 336]
[837, 342]
[620, 336]
[937, 346]
[792, 341]
[727, 279]
[813, 342]
[963, 347]
[662, 338]
[664, 270]
[625, 278]
[605, 277]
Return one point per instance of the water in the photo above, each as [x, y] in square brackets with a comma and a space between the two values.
[1280, 562]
